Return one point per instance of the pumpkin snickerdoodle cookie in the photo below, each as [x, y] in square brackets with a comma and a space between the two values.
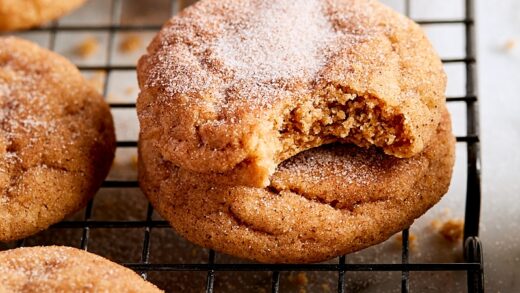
[321, 203]
[57, 139]
[23, 14]
[235, 87]
[65, 269]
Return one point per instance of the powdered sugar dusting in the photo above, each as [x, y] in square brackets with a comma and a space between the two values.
[283, 39]
[249, 50]
[25, 119]
[65, 269]
[352, 164]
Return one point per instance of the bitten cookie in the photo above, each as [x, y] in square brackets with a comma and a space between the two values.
[321, 203]
[65, 269]
[23, 14]
[237, 86]
[57, 139]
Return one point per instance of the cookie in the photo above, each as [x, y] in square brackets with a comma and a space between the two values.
[57, 139]
[24, 14]
[321, 203]
[65, 269]
[236, 87]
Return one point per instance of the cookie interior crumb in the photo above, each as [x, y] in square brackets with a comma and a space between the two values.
[339, 115]
[452, 230]
[130, 44]
[87, 48]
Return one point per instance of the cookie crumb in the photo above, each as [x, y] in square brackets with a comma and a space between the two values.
[510, 44]
[435, 225]
[129, 90]
[325, 288]
[97, 80]
[194, 251]
[412, 240]
[452, 230]
[134, 160]
[299, 279]
[130, 44]
[87, 48]
[113, 98]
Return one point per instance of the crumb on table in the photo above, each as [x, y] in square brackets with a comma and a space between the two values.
[134, 160]
[129, 90]
[87, 48]
[130, 44]
[452, 230]
[113, 98]
[97, 80]
[325, 288]
[435, 225]
[510, 44]
[412, 240]
[299, 279]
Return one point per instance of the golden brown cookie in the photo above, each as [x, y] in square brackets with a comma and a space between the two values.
[237, 86]
[57, 139]
[65, 269]
[23, 14]
[321, 203]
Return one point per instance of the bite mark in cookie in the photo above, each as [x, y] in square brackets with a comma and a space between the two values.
[236, 87]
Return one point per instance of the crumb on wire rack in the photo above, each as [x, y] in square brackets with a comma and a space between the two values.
[325, 288]
[299, 279]
[88, 47]
[129, 90]
[130, 44]
[97, 80]
[412, 240]
[510, 44]
[452, 230]
[134, 160]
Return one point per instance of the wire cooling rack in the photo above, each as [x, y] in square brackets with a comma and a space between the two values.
[82, 226]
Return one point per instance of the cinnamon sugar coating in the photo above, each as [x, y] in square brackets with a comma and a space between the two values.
[236, 87]
[321, 203]
[65, 269]
[57, 139]
[24, 14]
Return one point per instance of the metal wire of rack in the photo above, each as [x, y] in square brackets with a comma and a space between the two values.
[473, 258]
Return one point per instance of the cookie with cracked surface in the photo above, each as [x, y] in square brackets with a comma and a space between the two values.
[24, 14]
[57, 139]
[321, 203]
[65, 269]
[236, 87]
